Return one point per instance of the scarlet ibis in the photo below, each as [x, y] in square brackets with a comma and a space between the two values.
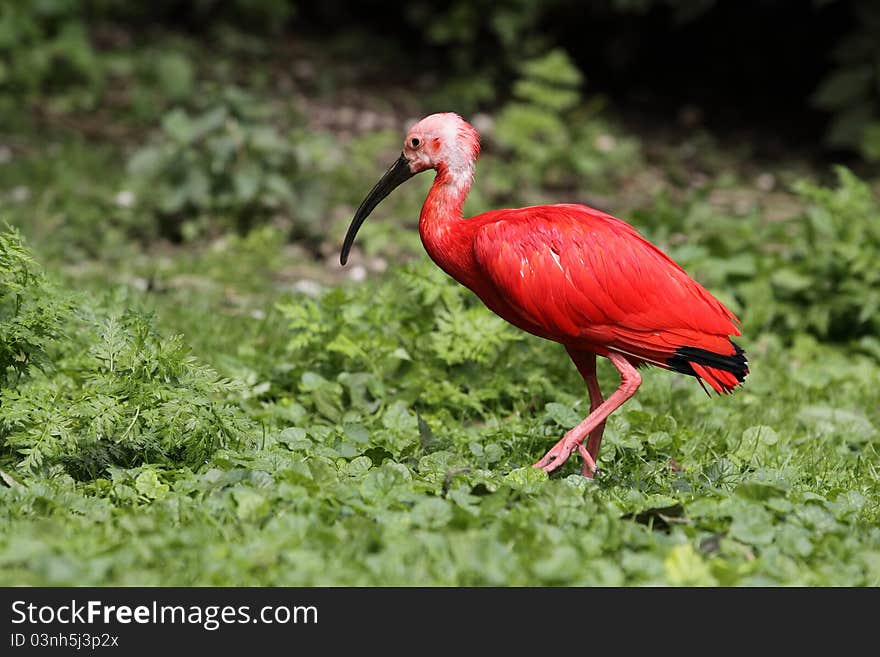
[566, 273]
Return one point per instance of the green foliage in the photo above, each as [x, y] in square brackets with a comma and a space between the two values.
[832, 272]
[363, 476]
[70, 56]
[31, 310]
[553, 139]
[423, 316]
[124, 396]
[851, 92]
[506, 32]
[397, 421]
[114, 392]
[72, 201]
[95, 55]
[45, 46]
[815, 272]
[509, 26]
[226, 167]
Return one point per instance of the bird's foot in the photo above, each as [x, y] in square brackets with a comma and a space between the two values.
[558, 454]
[589, 468]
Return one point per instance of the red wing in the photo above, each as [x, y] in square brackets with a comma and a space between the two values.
[582, 275]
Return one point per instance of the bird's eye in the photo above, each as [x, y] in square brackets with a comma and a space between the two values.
[415, 142]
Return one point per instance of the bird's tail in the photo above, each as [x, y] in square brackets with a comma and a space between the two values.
[723, 372]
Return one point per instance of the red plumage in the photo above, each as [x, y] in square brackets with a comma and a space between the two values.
[566, 273]
[578, 276]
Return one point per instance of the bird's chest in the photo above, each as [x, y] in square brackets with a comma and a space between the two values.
[451, 250]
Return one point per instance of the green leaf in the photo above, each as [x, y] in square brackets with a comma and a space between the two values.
[295, 438]
[526, 479]
[790, 281]
[175, 75]
[562, 415]
[178, 126]
[431, 513]
[685, 567]
[400, 419]
[149, 485]
[847, 127]
[250, 504]
[753, 525]
[871, 142]
[828, 420]
[759, 490]
[247, 182]
[844, 87]
[760, 434]
[555, 67]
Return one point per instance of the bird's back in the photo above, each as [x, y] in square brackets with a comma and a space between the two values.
[581, 277]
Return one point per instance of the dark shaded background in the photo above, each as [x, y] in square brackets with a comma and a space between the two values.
[754, 65]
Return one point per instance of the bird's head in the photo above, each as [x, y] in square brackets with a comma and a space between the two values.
[443, 142]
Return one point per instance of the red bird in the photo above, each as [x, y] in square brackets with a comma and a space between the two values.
[566, 273]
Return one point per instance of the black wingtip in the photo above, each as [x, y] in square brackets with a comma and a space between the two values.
[735, 363]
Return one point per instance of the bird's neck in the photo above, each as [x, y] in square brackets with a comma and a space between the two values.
[441, 225]
[447, 195]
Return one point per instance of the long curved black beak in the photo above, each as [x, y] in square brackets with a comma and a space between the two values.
[397, 174]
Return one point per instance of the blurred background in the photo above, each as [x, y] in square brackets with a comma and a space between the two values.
[190, 119]
[135, 135]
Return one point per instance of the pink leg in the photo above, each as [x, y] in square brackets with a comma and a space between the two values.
[594, 424]
[585, 361]
[596, 434]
